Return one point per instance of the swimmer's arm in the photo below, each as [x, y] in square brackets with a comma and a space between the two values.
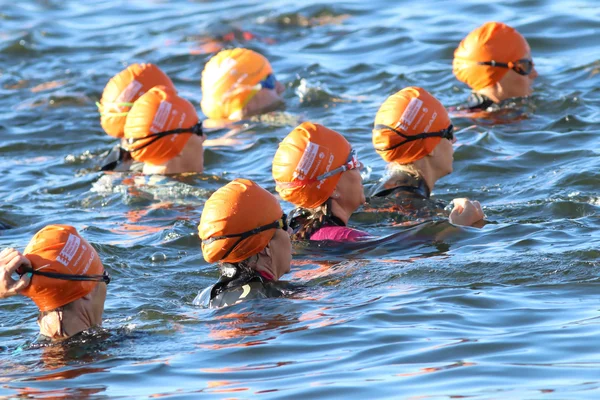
[222, 142]
[467, 213]
[227, 139]
[441, 230]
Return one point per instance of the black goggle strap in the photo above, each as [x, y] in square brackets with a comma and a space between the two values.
[196, 130]
[494, 64]
[446, 133]
[517, 66]
[105, 277]
[281, 223]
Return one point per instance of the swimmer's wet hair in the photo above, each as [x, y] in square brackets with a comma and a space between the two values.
[306, 221]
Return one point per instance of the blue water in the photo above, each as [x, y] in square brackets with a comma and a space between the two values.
[508, 311]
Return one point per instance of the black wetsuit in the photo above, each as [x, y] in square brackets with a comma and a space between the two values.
[118, 159]
[406, 198]
[477, 102]
[299, 217]
[245, 284]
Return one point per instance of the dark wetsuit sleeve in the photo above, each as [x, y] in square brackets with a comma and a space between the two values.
[118, 159]
[477, 102]
[248, 291]
[244, 285]
[405, 202]
[203, 298]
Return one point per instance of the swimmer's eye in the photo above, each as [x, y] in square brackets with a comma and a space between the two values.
[521, 67]
[269, 82]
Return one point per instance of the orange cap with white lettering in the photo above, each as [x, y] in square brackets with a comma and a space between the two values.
[492, 41]
[60, 249]
[159, 110]
[238, 207]
[411, 111]
[123, 90]
[229, 81]
[308, 152]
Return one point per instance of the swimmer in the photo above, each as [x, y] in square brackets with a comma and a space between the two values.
[495, 62]
[118, 97]
[239, 83]
[414, 134]
[244, 229]
[162, 130]
[317, 170]
[64, 277]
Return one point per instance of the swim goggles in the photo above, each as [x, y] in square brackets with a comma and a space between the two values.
[350, 164]
[269, 82]
[521, 67]
[447, 133]
[105, 277]
[281, 223]
[196, 130]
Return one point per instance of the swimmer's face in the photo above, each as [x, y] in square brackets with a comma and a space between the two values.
[351, 194]
[266, 100]
[281, 246]
[192, 155]
[75, 317]
[196, 147]
[279, 88]
[443, 156]
[513, 84]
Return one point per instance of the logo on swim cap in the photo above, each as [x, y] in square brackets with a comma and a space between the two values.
[130, 92]
[69, 250]
[306, 162]
[431, 121]
[410, 113]
[160, 119]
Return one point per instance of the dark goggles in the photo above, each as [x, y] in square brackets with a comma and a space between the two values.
[105, 277]
[279, 224]
[350, 164]
[269, 82]
[521, 67]
[196, 130]
[447, 133]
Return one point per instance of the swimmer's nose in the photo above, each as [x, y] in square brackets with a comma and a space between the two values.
[279, 87]
[533, 74]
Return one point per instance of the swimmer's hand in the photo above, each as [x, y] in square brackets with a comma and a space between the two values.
[466, 213]
[10, 261]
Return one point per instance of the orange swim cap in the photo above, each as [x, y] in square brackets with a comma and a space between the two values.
[123, 90]
[60, 249]
[492, 41]
[410, 111]
[229, 81]
[236, 208]
[309, 151]
[159, 110]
